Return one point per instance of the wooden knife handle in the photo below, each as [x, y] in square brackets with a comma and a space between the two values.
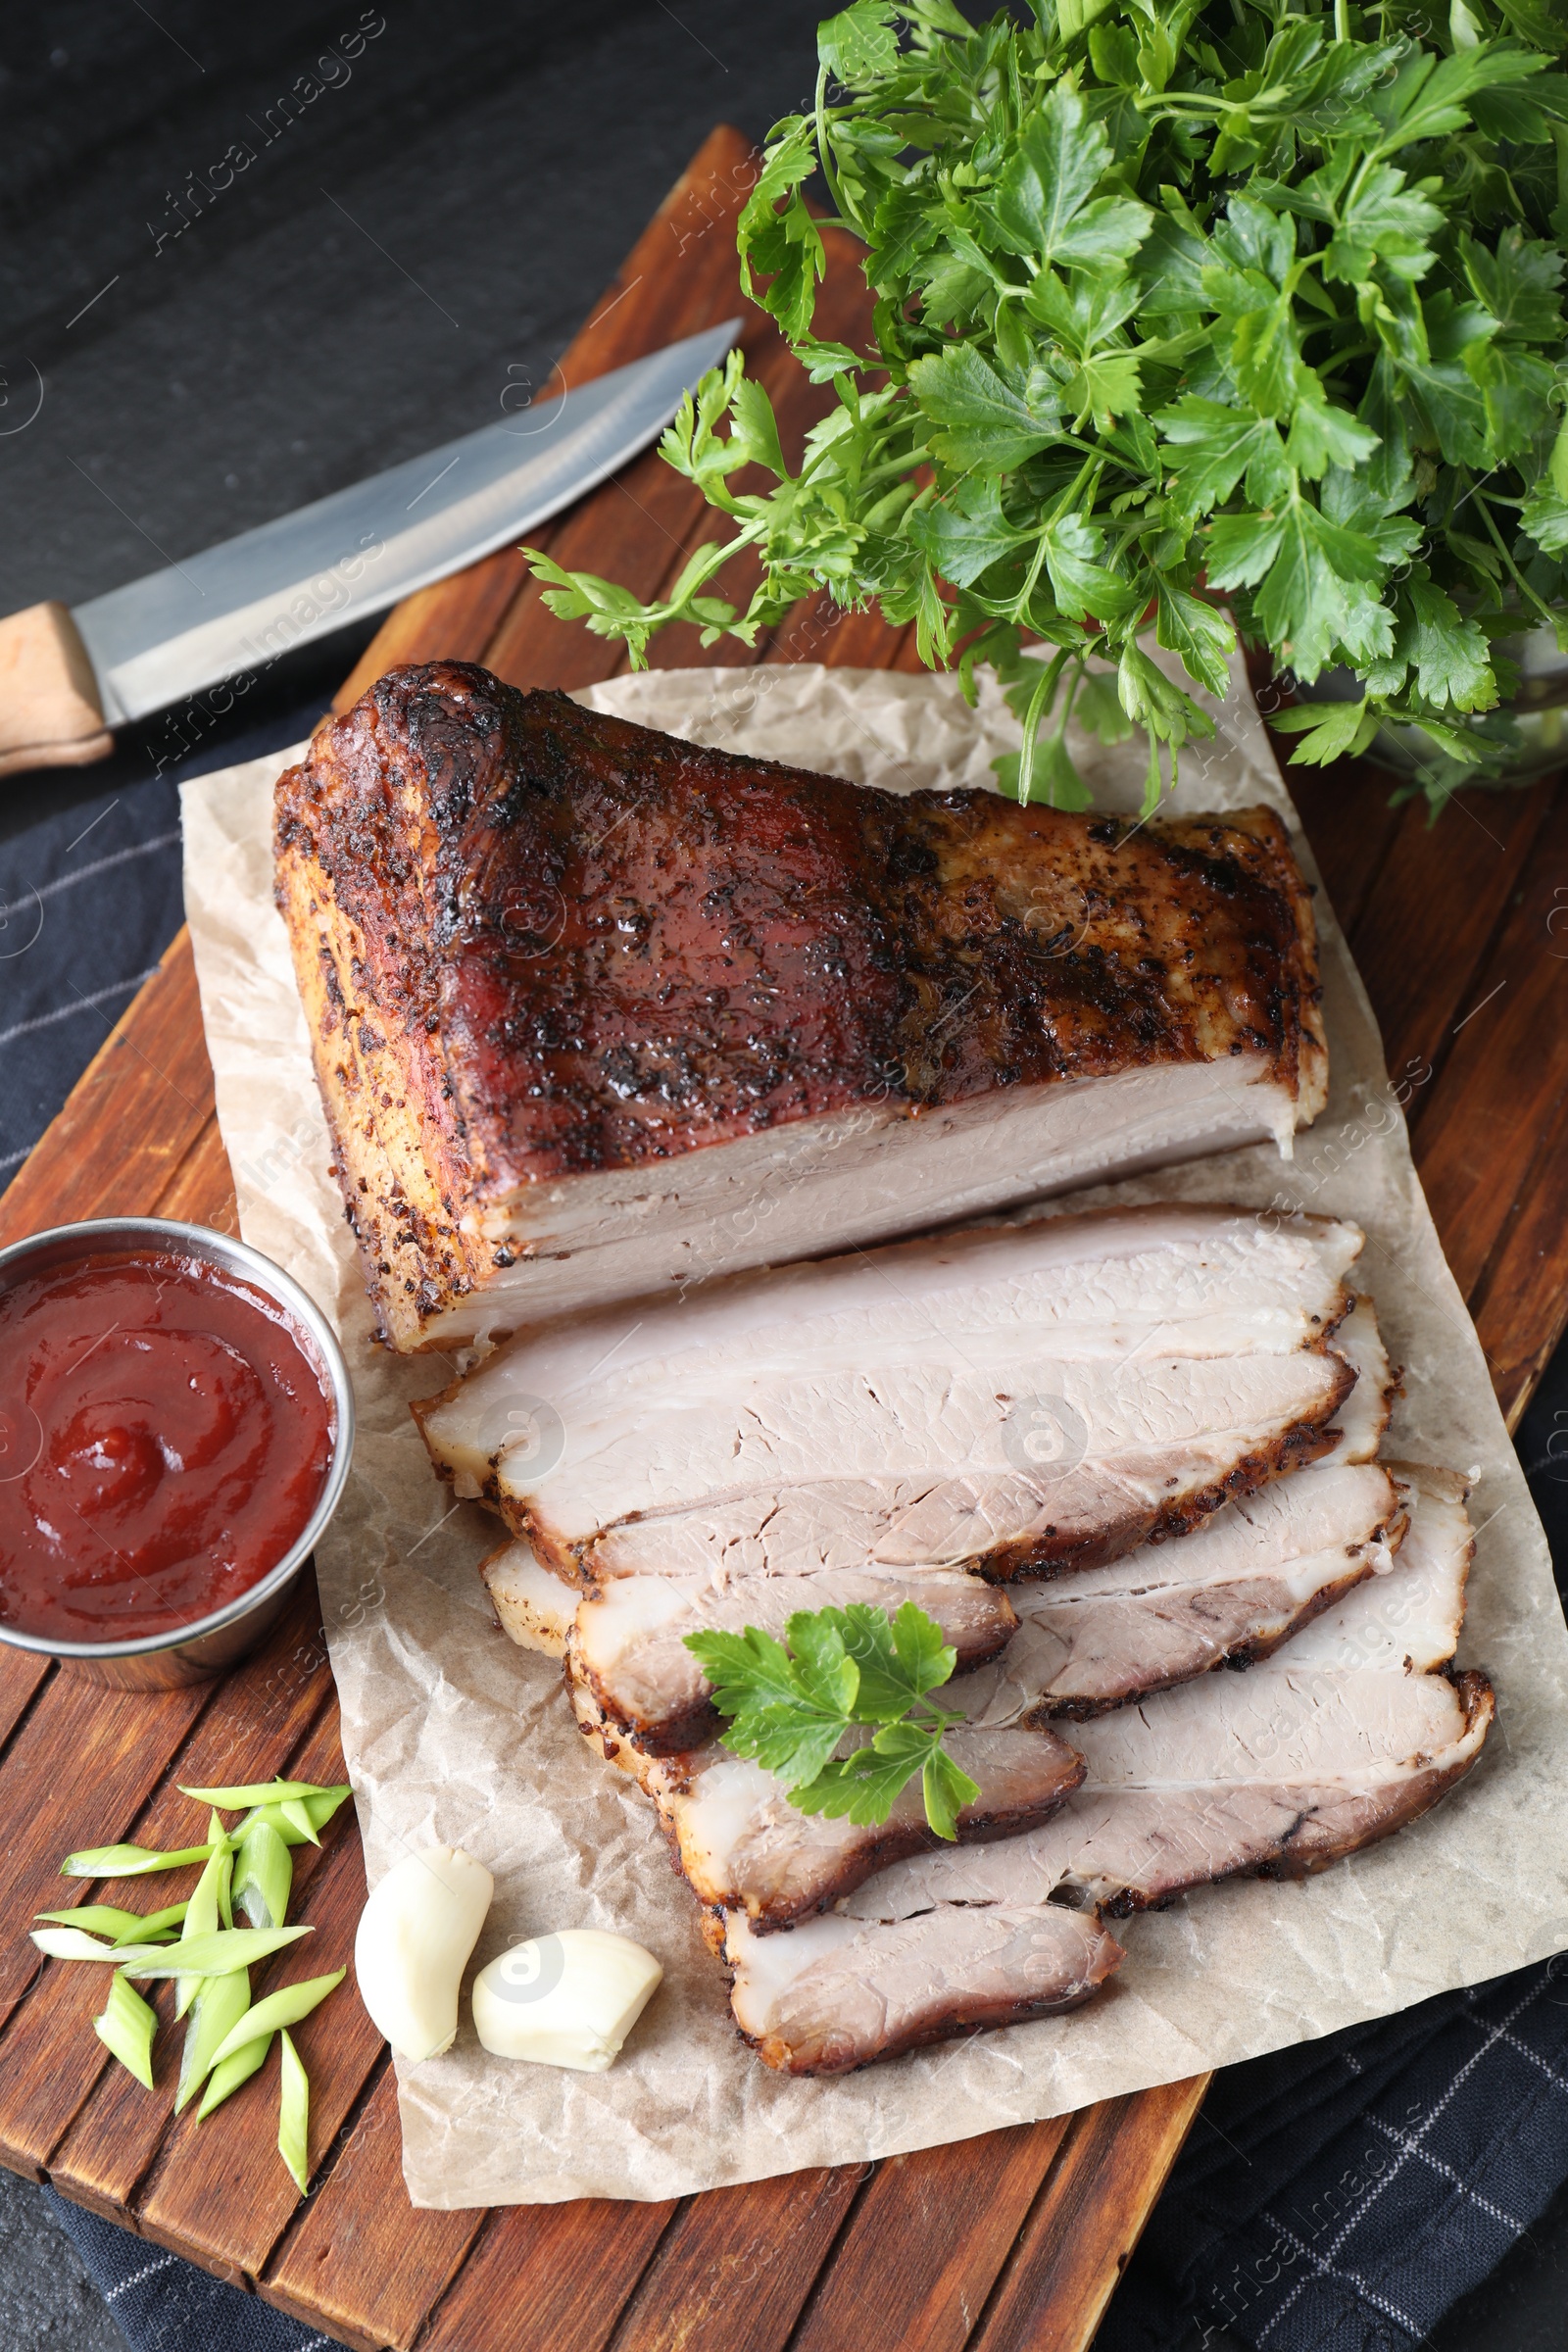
[50, 714]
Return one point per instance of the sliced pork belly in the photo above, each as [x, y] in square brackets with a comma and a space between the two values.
[834, 1994]
[1225, 1595]
[596, 1010]
[1024, 1398]
[628, 1643]
[1319, 1751]
[741, 1844]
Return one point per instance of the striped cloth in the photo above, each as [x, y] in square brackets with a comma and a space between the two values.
[161, 2304]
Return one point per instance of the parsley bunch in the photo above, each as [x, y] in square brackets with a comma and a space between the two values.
[791, 1709]
[1254, 299]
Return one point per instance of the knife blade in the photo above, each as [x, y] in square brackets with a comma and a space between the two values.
[355, 553]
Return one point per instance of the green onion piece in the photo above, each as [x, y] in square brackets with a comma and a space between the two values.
[294, 2114]
[294, 1812]
[263, 1875]
[318, 1811]
[157, 1927]
[285, 2007]
[128, 2025]
[201, 1916]
[218, 2002]
[126, 1861]
[234, 2070]
[103, 1919]
[208, 1955]
[225, 1858]
[255, 1792]
[69, 1943]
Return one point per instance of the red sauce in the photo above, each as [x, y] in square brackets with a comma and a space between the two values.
[163, 1439]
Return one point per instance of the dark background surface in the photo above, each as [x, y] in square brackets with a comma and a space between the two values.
[445, 215]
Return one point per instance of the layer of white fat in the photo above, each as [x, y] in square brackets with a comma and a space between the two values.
[534, 1607]
[1179, 1279]
[926, 1468]
[1363, 1418]
[848, 1177]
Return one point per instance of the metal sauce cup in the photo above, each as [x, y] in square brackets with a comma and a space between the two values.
[191, 1653]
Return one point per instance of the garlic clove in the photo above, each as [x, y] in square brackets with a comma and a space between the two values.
[415, 1933]
[568, 1999]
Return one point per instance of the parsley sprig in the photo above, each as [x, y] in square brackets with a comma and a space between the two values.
[1257, 300]
[791, 1708]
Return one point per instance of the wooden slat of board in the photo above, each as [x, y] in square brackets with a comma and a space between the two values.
[1352, 829]
[926, 2243]
[54, 2067]
[554, 2249]
[738, 2265]
[1429, 921]
[21, 1677]
[358, 2258]
[50, 1806]
[1089, 2216]
[148, 1088]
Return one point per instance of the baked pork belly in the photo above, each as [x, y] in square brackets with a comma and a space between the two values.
[1023, 1398]
[596, 1011]
[628, 1642]
[741, 1844]
[837, 1993]
[1227, 1594]
[1342, 1738]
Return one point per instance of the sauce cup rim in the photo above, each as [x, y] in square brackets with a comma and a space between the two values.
[60, 1245]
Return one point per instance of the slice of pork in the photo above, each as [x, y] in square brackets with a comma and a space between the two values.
[1023, 1398]
[834, 1994]
[1319, 1751]
[1227, 1594]
[741, 1844]
[628, 1643]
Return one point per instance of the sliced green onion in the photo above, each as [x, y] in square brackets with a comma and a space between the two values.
[69, 1943]
[294, 2114]
[285, 2007]
[105, 1919]
[154, 1927]
[201, 1913]
[318, 1811]
[227, 2078]
[210, 1955]
[263, 1875]
[297, 1815]
[128, 2025]
[218, 2002]
[256, 1792]
[126, 1861]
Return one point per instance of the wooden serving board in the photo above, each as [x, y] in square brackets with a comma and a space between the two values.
[1010, 2241]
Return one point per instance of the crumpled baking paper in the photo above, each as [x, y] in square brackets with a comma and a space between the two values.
[454, 1736]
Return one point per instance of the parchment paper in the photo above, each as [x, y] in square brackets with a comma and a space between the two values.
[454, 1735]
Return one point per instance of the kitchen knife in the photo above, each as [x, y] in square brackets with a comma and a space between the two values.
[67, 677]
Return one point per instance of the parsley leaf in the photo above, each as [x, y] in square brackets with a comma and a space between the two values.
[1170, 303]
[794, 1709]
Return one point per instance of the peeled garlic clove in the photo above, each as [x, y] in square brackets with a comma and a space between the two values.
[415, 1937]
[564, 2000]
